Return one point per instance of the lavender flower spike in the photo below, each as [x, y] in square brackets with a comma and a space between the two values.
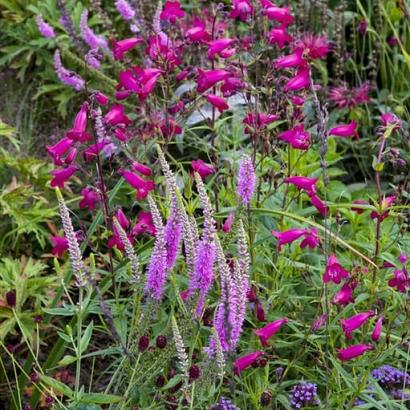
[44, 28]
[202, 277]
[88, 35]
[125, 9]
[246, 180]
[129, 250]
[66, 76]
[73, 247]
[174, 226]
[157, 266]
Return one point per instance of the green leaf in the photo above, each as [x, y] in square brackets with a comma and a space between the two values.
[57, 386]
[66, 360]
[100, 398]
[85, 339]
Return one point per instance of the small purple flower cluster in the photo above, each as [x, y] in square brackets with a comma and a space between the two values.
[224, 404]
[304, 394]
[388, 376]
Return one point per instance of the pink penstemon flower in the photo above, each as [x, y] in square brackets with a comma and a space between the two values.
[354, 322]
[218, 47]
[344, 295]
[266, 332]
[89, 198]
[305, 183]
[311, 238]
[203, 169]
[61, 176]
[292, 60]
[300, 81]
[353, 351]
[218, 102]
[172, 11]
[280, 14]
[208, 79]
[244, 362]
[297, 137]
[241, 9]
[78, 132]
[116, 116]
[198, 32]
[123, 46]
[345, 130]
[60, 245]
[377, 331]
[334, 271]
[279, 36]
[144, 224]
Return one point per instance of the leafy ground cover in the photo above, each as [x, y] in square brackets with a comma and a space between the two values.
[204, 205]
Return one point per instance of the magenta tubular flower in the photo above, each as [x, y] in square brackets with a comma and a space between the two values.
[172, 11]
[144, 224]
[403, 258]
[266, 332]
[121, 134]
[279, 14]
[279, 36]
[260, 311]
[288, 236]
[169, 129]
[300, 81]
[353, 351]
[297, 137]
[345, 97]
[359, 202]
[244, 362]
[66, 76]
[401, 280]
[246, 180]
[44, 28]
[71, 156]
[377, 331]
[218, 102]
[354, 322]
[94, 150]
[381, 215]
[344, 295]
[334, 271]
[293, 60]
[227, 226]
[241, 9]
[141, 168]
[122, 219]
[208, 79]
[60, 245]
[305, 183]
[318, 204]
[90, 199]
[311, 239]
[197, 33]
[78, 132]
[345, 130]
[88, 35]
[297, 100]
[125, 9]
[231, 86]
[136, 181]
[116, 116]
[59, 149]
[203, 169]
[313, 46]
[218, 46]
[258, 121]
[61, 176]
[101, 98]
[123, 46]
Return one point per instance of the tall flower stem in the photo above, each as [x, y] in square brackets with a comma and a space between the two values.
[78, 347]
